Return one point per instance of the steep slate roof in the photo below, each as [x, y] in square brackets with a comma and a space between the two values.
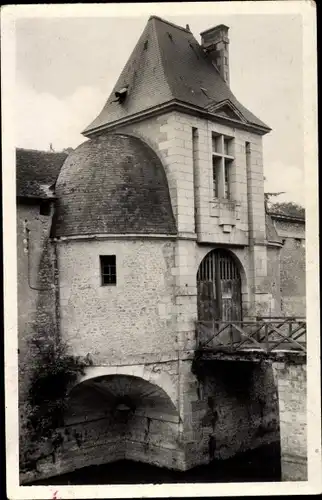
[168, 65]
[36, 171]
[113, 184]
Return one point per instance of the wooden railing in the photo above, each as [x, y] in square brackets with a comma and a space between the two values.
[263, 334]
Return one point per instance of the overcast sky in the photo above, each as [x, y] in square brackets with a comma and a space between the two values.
[66, 68]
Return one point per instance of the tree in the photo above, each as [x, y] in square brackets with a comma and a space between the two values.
[68, 150]
[287, 208]
[267, 197]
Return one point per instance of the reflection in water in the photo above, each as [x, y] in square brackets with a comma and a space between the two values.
[262, 464]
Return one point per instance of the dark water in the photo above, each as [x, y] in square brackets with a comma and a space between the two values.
[262, 464]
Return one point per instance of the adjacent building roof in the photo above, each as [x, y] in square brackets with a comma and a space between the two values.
[36, 172]
[113, 184]
[168, 65]
[290, 217]
[280, 226]
[271, 232]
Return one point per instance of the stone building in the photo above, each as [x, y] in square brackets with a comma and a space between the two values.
[291, 231]
[155, 222]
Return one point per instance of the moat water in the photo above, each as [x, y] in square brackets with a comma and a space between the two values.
[261, 465]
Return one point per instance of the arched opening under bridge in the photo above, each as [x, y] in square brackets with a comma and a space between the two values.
[118, 417]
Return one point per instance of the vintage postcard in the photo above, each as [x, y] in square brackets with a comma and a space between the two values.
[161, 250]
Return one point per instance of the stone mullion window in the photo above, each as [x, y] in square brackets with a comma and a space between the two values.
[221, 178]
[222, 164]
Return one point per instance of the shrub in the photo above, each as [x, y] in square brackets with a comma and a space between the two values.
[54, 373]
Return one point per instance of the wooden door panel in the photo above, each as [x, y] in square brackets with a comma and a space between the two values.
[219, 291]
[207, 303]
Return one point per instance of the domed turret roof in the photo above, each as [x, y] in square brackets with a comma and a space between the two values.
[113, 184]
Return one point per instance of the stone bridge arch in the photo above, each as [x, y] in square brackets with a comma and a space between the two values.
[123, 413]
[150, 373]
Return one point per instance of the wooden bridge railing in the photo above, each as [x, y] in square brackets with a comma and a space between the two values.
[264, 334]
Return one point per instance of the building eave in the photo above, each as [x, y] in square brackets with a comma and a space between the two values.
[32, 199]
[175, 105]
[105, 236]
[286, 217]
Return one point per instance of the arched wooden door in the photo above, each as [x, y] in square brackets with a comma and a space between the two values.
[219, 288]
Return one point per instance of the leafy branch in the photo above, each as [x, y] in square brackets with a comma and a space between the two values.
[55, 372]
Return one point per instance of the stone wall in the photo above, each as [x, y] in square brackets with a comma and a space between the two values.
[290, 376]
[36, 296]
[95, 432]
[96, 442]
[274, 271]
[232, 408]
[292, 265]
[131, 321]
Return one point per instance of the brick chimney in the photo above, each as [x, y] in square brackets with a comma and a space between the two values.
[215, 42]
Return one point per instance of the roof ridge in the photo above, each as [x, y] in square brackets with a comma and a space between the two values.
[168, 22]
[288, 216]
[159, 56]
[172, 67]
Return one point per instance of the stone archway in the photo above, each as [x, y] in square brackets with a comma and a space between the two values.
[118, 417]
[150, 373]
[219, 287]
[120, 395]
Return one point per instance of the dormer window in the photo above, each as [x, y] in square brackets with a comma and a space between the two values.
[222, 162]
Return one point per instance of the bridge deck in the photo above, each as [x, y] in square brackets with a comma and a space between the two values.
[268, 336]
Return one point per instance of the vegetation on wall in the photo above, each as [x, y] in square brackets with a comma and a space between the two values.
[282, 207]
[287, 208]
[54, 373]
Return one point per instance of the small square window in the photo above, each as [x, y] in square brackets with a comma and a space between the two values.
[108, 269]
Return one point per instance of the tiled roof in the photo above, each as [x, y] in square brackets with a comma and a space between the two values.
[168, 64]
[36, 171]
[284, 214]
[113, 184]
